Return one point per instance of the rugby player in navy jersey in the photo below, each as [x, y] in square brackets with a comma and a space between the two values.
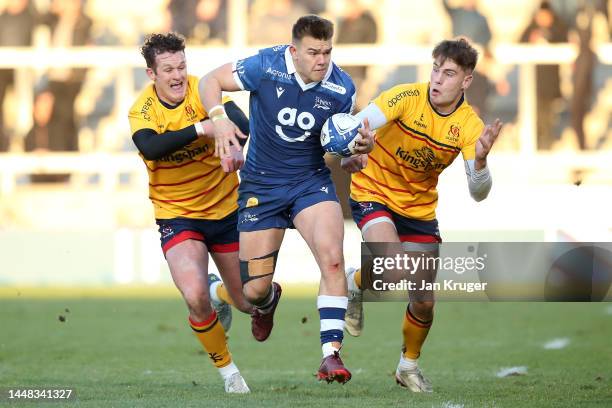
[284, 182]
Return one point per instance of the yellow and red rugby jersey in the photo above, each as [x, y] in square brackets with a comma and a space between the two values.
[189, 182]
[412, 149]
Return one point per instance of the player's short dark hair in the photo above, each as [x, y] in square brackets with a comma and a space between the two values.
[312, 26]
[156, 44]
[458, 50]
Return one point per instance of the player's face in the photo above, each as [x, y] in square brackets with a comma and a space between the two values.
[311, 58]
[170, 76]
[448, 81]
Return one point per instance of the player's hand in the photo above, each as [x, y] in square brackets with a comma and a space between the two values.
[485, 143]
[355, 163]
[234, 161]
[226, 134]
[364, 143]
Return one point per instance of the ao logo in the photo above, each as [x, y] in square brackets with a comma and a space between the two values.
[289, 117]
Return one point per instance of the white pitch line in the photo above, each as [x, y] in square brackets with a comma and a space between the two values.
[511, 371]
[557, 344]
[450, 404]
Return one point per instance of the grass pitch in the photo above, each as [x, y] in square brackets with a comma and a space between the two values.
[140, 352]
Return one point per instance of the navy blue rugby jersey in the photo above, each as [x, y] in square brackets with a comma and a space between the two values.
[286, 115]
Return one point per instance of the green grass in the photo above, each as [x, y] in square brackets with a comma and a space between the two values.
[122, 352]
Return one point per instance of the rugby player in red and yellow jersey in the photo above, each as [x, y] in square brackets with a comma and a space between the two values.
[194, 195]
[422, 128]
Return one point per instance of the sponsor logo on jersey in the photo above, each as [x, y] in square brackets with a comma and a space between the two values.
[419, 123]
[325, 189]
[322, 103]
[185, 154]
[453, 133]
[252, 202]
[334, 87]
[279, 91]
[290, 117]
[275, 72]
[395, 100]
[423, 158]
[144, 111]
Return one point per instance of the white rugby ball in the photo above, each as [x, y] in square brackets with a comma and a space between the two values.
[338, 134]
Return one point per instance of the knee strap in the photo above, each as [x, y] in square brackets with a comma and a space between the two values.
[257, 268]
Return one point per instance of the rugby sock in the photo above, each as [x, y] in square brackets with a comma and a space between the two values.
[219, 293]
[265, 305]
[228, 370]
[212, 336]
[415, 332]
[331, 313]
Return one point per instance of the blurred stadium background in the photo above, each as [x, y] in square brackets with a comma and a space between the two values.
[73, 192]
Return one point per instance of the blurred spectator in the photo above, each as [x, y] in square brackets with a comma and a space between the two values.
[468, 21]
[69, 27]
[17, 23]
[582, 78]
[357, 26]
[481, 89]
[269, 19]
[38, 138]
[546, 27]
[200, 21]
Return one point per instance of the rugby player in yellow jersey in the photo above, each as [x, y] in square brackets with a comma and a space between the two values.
[422, 128]
[194, 195]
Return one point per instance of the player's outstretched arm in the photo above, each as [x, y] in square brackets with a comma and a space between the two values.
[211, 86]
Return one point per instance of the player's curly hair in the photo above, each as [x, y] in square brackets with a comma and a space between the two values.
[312, 26]
[458, 50]
[156, 44]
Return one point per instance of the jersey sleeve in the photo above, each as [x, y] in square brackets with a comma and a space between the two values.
[395, 101]
[142, 115]
[472, 132]
[248, 72]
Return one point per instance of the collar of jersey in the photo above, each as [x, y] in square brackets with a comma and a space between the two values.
[291, 70]
[444, 115]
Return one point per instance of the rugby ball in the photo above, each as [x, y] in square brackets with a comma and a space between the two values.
[338, 134]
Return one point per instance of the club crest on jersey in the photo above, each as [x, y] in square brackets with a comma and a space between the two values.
[322, 103]
[191, 114]
[453, 133]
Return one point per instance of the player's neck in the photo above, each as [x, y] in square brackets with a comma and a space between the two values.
[449, 108]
